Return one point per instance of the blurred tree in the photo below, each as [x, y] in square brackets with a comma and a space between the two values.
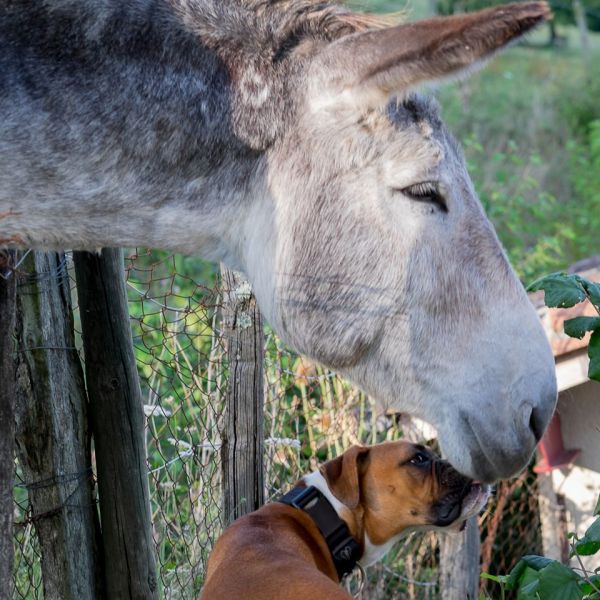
[564, 10]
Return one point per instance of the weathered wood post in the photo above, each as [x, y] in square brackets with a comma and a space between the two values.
[554, 541]
[242, 450]
[7, 419]
[52, 435]
[118, 426]
[459, 563]
[459, 552]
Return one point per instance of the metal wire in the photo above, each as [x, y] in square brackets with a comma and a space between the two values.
[311, 415]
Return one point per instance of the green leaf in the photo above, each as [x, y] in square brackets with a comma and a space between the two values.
[593, 531]
[594, 354]
[558, 582]
[536, 562]
[588, 588]
[593, 291]
[590, 542]
[529, 584]
[496, 578]
[579, 326]
[515, 575]
[587, 548]
[523, 572]
[560, 290]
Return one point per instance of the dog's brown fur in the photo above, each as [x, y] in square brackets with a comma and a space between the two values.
[278, 551]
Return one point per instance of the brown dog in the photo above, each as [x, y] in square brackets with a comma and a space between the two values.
[352, 510]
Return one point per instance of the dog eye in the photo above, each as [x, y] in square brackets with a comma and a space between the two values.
[427, 191]
[420, 459]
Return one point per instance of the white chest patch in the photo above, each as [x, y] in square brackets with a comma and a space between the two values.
[317, 480]
[373, 553]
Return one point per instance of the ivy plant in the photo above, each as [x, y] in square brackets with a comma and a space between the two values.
[541, 578]
[562, 290]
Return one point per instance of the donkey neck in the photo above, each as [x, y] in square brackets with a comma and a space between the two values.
[132, 129]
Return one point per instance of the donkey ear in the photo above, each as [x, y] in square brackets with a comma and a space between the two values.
[343, 475]
[366, 69]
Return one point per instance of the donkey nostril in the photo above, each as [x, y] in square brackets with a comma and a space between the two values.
[536, 424]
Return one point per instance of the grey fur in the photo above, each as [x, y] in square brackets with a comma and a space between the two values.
[265, 133]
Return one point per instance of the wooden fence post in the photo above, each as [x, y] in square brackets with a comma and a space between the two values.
[7, 420]
[242, 450]
[53, 442]
[118, 426]
[459, 563]
[555, 544]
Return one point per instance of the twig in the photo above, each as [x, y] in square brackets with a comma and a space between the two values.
[585, 573]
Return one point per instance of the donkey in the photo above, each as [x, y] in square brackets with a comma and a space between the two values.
[286, 139]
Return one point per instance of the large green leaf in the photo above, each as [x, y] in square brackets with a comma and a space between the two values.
[536, 562]
[579, 326]
[529, 584]
[558, 582]
[520, 570]
[560, 290]
[515, 575]
[590, 542]
[594, 354]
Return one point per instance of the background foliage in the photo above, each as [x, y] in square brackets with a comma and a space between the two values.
[529, 123]
[540, 578]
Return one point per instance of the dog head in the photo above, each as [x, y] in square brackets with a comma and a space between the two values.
[389, 489]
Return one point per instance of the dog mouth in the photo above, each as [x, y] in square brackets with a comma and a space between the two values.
[460, 504]
[475, 500]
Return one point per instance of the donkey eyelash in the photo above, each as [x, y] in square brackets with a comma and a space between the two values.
[427, 191]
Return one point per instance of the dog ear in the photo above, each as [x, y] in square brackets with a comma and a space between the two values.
[343, 475]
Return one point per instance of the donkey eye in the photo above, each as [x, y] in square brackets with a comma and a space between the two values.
[420, 459]
[426, 191]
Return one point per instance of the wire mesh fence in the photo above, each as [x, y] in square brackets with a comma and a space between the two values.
[27, 568]
[311, 415]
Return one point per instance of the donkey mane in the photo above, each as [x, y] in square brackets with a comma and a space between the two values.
[254, 39]
[274, 24]
[257, 25]
[247, 42]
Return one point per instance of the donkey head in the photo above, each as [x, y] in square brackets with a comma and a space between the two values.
[368, 248]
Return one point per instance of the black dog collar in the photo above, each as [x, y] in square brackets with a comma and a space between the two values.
[344, 549]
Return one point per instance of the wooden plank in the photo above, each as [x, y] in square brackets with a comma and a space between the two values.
[242, 450]
[7, 419]
[118, 426]
[53, 442]
[572, 370]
